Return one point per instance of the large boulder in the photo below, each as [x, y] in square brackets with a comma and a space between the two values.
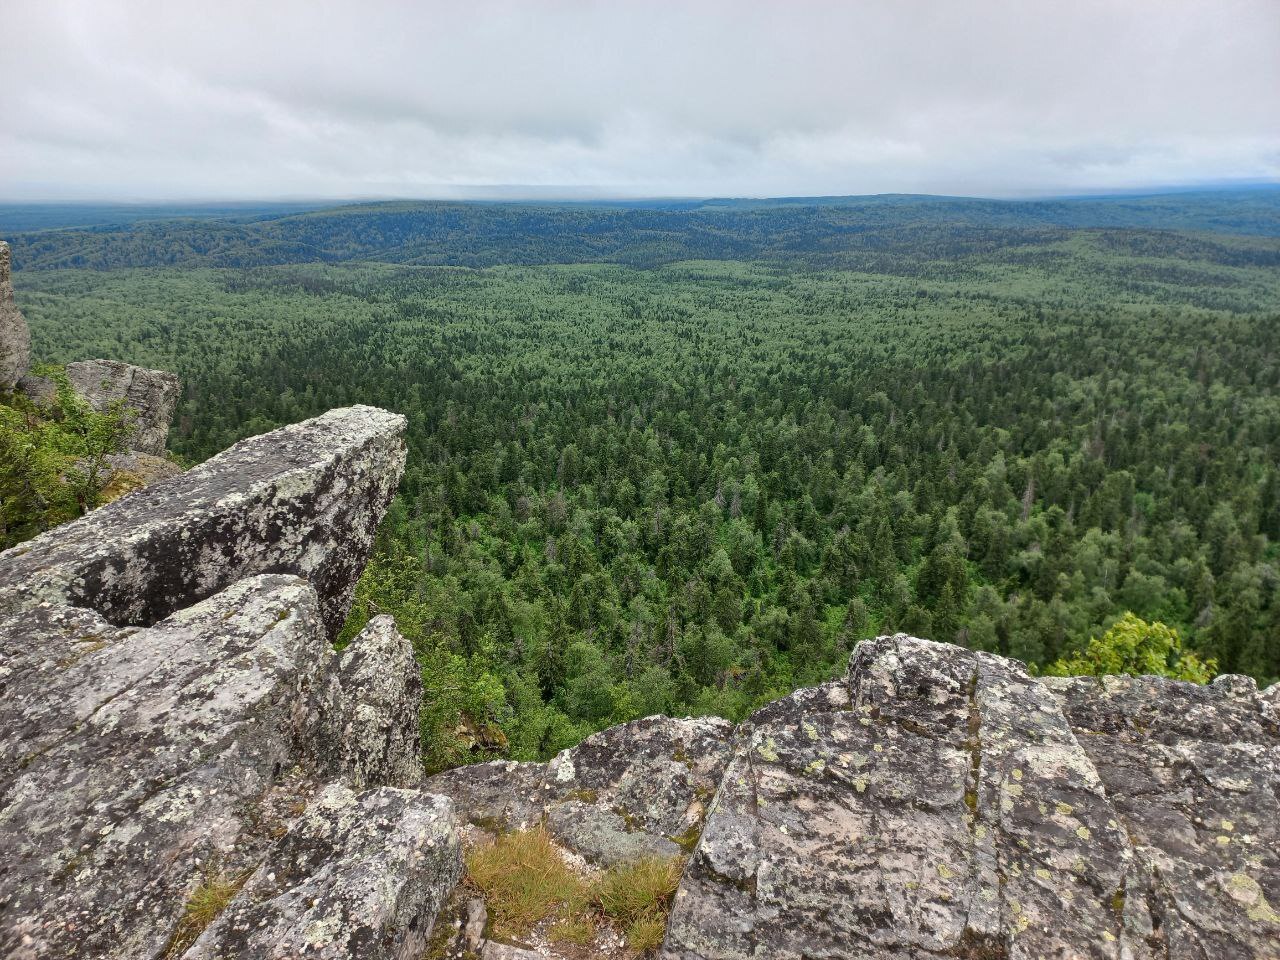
[137, 761]
[15, 338]
[171, 703]
[304, 499]
[942, 804]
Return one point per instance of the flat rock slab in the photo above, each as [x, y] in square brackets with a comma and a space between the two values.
[304, 499]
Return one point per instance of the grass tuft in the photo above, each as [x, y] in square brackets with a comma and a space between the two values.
[636, 891]
[525, 881]
[204, 905]
[647, 933]
[579, 929]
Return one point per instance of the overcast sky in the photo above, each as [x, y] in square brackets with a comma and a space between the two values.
[111, 99]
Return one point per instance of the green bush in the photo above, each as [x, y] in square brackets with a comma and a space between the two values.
[1135, 647]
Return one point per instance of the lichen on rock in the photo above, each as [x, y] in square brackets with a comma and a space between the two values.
[15, 337]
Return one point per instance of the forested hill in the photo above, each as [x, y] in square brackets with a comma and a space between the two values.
[690, 480]
[857, 233]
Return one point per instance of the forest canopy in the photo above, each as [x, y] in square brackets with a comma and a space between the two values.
[686, 468]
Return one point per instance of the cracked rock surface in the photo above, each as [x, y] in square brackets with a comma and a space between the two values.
[359, 875]
[173, 711]
[304, 499]
[942, 803]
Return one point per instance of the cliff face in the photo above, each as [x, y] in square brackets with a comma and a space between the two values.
[176, 723]
[15, 338]
[173, 711]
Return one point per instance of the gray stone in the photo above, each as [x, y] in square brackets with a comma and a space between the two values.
[171, 699]
[944, 809]
[632, 790]
[15, 338]
[473, 930]
[1193, 774]
[357, 876]
[504, 951]
[304, 499]
[150, 395]
[377, 736]
[134, 758]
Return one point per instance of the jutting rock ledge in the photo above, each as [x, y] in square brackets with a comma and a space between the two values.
[176, 720]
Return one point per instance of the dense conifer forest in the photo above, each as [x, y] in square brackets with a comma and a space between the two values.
[681, 458]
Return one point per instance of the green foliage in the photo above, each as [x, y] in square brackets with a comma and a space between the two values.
[53, 458]
[692, 488]
[1138, 648]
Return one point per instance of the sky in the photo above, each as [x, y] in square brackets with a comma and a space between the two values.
[283, 99]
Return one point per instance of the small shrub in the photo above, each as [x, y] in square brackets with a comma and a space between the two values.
[1134, 646]
[524, 881]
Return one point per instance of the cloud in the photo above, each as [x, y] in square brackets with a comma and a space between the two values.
[168, 100]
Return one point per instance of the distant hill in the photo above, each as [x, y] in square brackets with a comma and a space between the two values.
[848, 232]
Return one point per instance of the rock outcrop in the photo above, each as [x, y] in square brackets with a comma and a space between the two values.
[15, 338]
[388, 857]
[942, 802]
[179, 732]
[176, 719]
[151, 395]
[304, 499]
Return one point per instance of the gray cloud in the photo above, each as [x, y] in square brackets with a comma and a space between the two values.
[156, 100]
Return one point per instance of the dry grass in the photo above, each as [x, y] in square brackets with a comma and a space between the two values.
[580, 930]
[203, 906]
[647, 933]
[632, 892]
[524, 881]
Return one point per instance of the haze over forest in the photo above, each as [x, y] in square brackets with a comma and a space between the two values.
[114, 99]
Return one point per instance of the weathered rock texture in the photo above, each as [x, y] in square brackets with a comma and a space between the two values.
[304, 499]
[387, 857]
[150, 394]
[638, 789]
[15, 338]
[377, 736]
[942, 803]
[171, 704]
